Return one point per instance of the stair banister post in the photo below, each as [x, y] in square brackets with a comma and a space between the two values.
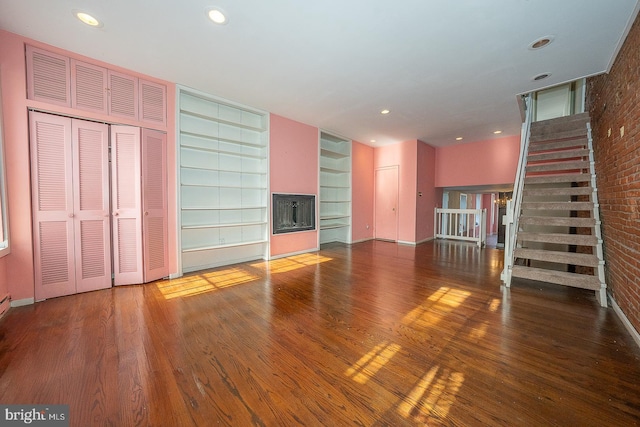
[513, 206]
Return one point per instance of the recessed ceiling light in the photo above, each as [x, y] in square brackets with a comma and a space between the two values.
[459, 138]
[541, 77]
[373, 140]
[497, 132]
[385, 111]
[217, 16]
[541, 42]
[88, 19]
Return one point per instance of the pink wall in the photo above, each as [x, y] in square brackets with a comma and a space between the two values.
[19, 263]
[404, 156]
[425, 204]
[362, 183]
[294, 164]
[491, 162]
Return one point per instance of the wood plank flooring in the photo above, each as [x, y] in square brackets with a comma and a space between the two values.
[373, 334]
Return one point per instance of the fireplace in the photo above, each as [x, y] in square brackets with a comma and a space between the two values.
[293, 212]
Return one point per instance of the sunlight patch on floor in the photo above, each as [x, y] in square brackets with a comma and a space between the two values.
[432, 398]
[495, 304]
[205, 282]
[439, 304]
[369, 364]
[291, 263]
[479, 331]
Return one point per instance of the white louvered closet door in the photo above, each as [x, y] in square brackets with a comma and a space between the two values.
[126, 205]
[154, 205]
[52, 204]
[91, 205]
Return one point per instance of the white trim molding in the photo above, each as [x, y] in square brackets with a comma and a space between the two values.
[625, 320]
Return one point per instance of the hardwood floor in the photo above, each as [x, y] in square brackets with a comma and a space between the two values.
[372, 334]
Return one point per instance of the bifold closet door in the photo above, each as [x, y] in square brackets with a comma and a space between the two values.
[126, 200]
[154, 205]
[70, 204]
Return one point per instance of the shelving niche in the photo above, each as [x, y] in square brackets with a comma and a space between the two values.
[223, 182]
[335, 189]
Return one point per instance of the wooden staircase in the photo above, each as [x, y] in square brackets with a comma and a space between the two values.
[558, 238]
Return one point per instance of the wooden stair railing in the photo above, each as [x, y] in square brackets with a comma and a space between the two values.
[558, 239]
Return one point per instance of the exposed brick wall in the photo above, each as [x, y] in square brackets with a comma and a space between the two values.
[614, 103]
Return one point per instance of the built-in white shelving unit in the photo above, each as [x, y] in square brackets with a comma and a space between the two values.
[335, 189]
[223, 182]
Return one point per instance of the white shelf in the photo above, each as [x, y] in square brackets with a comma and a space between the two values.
[239, 224]
[225, 152]
[225, 246]
[332, 154]
[335, 189]
[219, 120]
[333, 170]
[223, 182]
[235, 187]
[332, 226]
[221, 139]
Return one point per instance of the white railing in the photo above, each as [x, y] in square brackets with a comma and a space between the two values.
[461, 224]
[510, 220]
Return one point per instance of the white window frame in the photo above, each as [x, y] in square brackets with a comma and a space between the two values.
[5, 247]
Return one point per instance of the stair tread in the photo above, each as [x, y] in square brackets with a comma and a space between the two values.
[557, 221]
[569, 206]
[555, 144]
[575, 280]
[557, 155]
[555, 135]
[560, 257]
[556, 178]
[582, 118]
[566, 191]
[558, 166]
[558, 238]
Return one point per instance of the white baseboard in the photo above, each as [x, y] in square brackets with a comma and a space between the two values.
[428, 239]
[362, 240]
[634, 334]
[21, 302]
[403, 242]
[306, 251]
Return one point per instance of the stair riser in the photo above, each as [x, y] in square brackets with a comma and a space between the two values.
[558, 166]
[558, 155]
[576, 281]
[560, 206]
[536, 147]
[560, 239]
[558, 257]
[556, 179]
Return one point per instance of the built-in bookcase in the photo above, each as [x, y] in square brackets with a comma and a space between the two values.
[223, 182]
[335, 189]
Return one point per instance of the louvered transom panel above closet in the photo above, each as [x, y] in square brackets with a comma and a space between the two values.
[61, 80]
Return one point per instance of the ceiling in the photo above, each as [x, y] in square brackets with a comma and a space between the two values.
[444, 69]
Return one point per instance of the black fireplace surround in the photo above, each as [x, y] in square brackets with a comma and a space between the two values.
[293, 212]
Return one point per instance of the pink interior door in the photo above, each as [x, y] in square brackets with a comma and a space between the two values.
[126, 205]
[52, 205]
[154, 205]
[92, 235]
[386, 203]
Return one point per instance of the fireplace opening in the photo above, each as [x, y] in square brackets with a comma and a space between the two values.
[293, 212]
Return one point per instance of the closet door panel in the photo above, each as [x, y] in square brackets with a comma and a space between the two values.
[91, 200]
[126, 205]
[52, 205]
[154, 205]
